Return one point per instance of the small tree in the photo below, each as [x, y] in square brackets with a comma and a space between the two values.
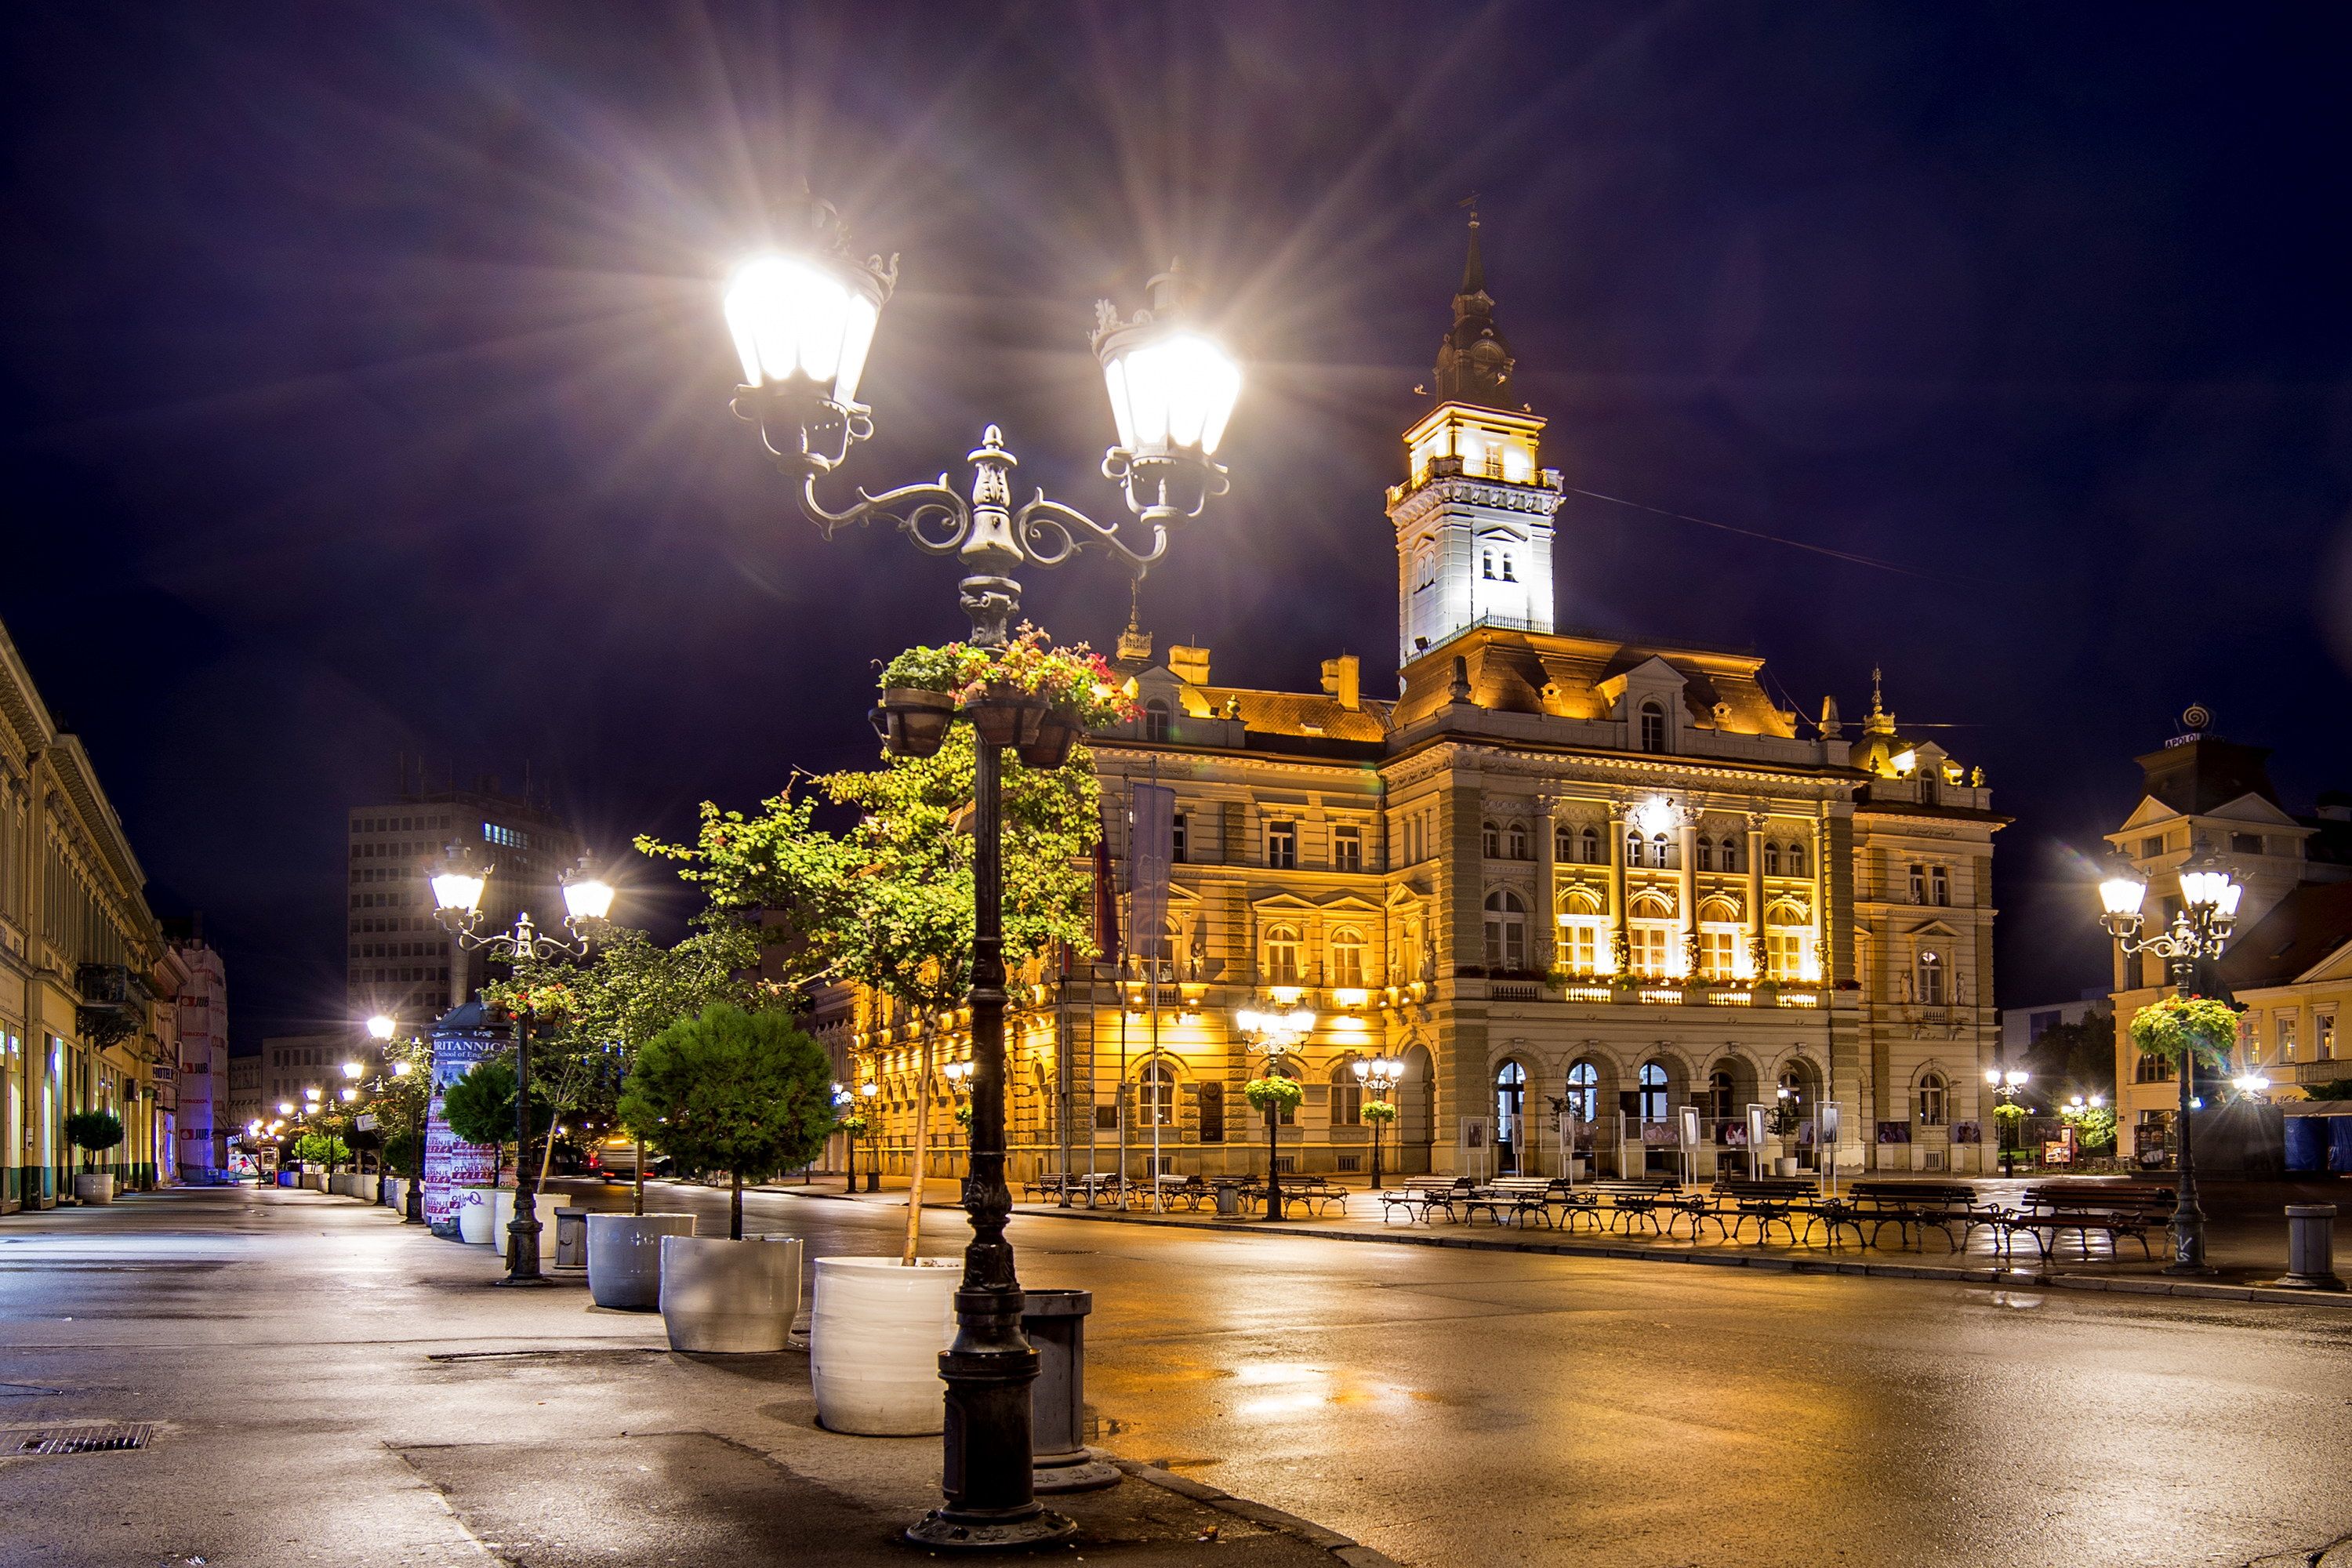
[94, 1132]
[746, 1093]
[481, 1106]
[320, 1149]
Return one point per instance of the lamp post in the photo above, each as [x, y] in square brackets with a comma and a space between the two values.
[1273, 1035]
[2006, 1082]
[1380, 1075]
[380, 1029]
[802, 324]
[587, 898]
[2199, 932]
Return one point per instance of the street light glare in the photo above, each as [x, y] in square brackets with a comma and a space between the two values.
[381, 1026]
[353, 1069]
[457, 891]
[587, 897]
[793, 316]
[2123, 895]
[1176, 392]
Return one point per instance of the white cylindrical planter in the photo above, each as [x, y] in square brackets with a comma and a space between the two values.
[473, 1213]
[734, 1297]
[93, 1189]
[624, 1258]
[876, 1332]
[1786, 1165]
[501, 1216]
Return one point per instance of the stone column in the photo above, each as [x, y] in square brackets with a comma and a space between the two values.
[1757, 958]
[1687, 887]
[1547, 932]
[1821, 858]
[1619, 949]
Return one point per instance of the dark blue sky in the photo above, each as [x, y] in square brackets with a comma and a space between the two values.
[362, 389]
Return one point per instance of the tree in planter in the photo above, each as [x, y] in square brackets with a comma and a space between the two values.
[887, 904]
[1783, 1122]
[94, 1132]
[480, 1107]
[629, 989]
[746, 1093]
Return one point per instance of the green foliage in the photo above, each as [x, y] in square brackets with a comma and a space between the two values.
[1379, 1111]
[853, 1124]
[2172, 1028]
[2081, 1054]
[480, 1105]
[2333, 1088]
[1077, 681]
[2095, 1127]
[402, 1154]
[1280, 1092]
[321, 1149]
[888, 903]
[964, 1117]
[93, 1131]
[2009, 1111]
[746, 1093]
[1784, 1117]
[924, 670]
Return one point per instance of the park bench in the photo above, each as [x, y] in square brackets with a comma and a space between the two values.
[1929, 1206]
[1168, 1190]
[1517, 1197]
[2113, 1209]
[1769, 1201]
[1632, 1201]
[1422, 1193]
[1316, 1193]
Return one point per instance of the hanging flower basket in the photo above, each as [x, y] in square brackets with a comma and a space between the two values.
[1274, 1093]
[1005, 716]
[1056, 734]
[1379, 1111]
[912, 721]
[2176, 1024]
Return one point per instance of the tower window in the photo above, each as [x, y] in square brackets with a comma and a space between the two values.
[1508, 576]
[1155, 719]
[1486, 565]
[1654, 727]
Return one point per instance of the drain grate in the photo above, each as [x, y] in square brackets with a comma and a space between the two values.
[74, 1438]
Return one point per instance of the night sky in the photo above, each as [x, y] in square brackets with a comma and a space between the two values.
[362, 388]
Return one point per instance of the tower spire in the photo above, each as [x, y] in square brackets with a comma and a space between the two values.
[1474, 362]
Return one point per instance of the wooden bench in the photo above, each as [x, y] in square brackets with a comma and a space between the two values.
[2116, 1209]
[1514, 1197]
[1313, 1190]
[1929, 1206]
[1422, 1193]
[1641, 1201]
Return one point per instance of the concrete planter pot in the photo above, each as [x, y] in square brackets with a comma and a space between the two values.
[876, 1332]
[729, 1298]
[1786, 1165]
[94, 1189]
[473, 1213]
[624, 1258]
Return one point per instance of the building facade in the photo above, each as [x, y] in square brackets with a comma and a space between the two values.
[244, 1096]
[203, 1124]
[401, 962]
[1579, 884]
[2289, 960]
[87, 982]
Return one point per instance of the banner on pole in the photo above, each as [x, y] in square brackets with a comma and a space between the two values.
[1151, 844]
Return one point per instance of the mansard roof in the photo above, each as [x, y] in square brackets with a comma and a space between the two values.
[2200, 775]
[2301, 930]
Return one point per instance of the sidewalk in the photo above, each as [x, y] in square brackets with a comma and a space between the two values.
[329, 1386]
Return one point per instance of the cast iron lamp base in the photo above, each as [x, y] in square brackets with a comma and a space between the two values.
[952, 1531]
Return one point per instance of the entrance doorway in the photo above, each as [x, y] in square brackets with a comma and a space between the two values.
[1510, 1108]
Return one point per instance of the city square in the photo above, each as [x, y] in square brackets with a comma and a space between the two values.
[1363, 785]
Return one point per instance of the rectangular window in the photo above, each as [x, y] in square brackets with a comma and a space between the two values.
[2287, 1038]
[1282, 846]
[2149, 848]
[1176, 838]
[1646, 945]
[1715, 949]
[1580, 948]
[1784, 952]
[1919, 884]
[2245, 844]
[1347, 1102]
[2323, 1035]
[1347, 849]
[1939, 885]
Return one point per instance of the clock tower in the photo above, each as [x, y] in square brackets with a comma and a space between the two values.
[1473, 519]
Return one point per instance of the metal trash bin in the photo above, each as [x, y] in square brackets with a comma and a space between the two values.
[572, 1238]
[2310, 1248]
[1056, 1322]
[1229, 1196]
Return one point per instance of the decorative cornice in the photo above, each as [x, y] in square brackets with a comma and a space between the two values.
[1453, 489]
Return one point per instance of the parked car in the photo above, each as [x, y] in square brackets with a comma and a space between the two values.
[615, 1160]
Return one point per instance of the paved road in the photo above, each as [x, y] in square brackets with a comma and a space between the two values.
[1447, 1407]
[1478, 1408]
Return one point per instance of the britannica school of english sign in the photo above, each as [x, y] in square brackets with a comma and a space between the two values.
[464, 1037]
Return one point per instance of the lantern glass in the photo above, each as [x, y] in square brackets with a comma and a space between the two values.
[2123, 895]
[457, 891]
[381, 1026]
[1169, 392]
[792, 316]
[588, 897]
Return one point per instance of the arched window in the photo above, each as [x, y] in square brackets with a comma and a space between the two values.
[1589, 841]
[1516, 842]
[1792, 1088]
[1796, 858]
[1772, 857]
[1282, 955]
[1155, 719]
[1706, 853]
[1157, 1103]
[1719, 1094]
[1347, 1095]
[1632, 846]
[1424, 568]
[1654, 1091]
[1660, 850]
[1509, 576]
[1564, 843]
[1730, 848]
[1347, 958]
[1584, 1091]
[1654, 726]
[1931, 1099]
[1510, 1106]
[1931, 978]
[1490, 841]
[1507, 930]
[1487, 563]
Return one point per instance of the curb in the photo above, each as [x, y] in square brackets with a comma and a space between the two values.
[1354, 1553]
[2127, 1285]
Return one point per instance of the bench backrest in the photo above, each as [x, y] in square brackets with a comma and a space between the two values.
[2080, 1196]
[1911, 1192]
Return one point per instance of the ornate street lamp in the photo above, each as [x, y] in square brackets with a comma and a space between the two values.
[1379, 1075]
[587, 898]
[380, 1029]
[2199, 932]
[802, 322]
[1272, 1035]
[2006, 1083]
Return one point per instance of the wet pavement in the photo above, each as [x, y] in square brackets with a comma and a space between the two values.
[1442, 1406]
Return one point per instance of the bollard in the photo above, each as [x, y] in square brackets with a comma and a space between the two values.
[1056, 1322]
[2310, 1248]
